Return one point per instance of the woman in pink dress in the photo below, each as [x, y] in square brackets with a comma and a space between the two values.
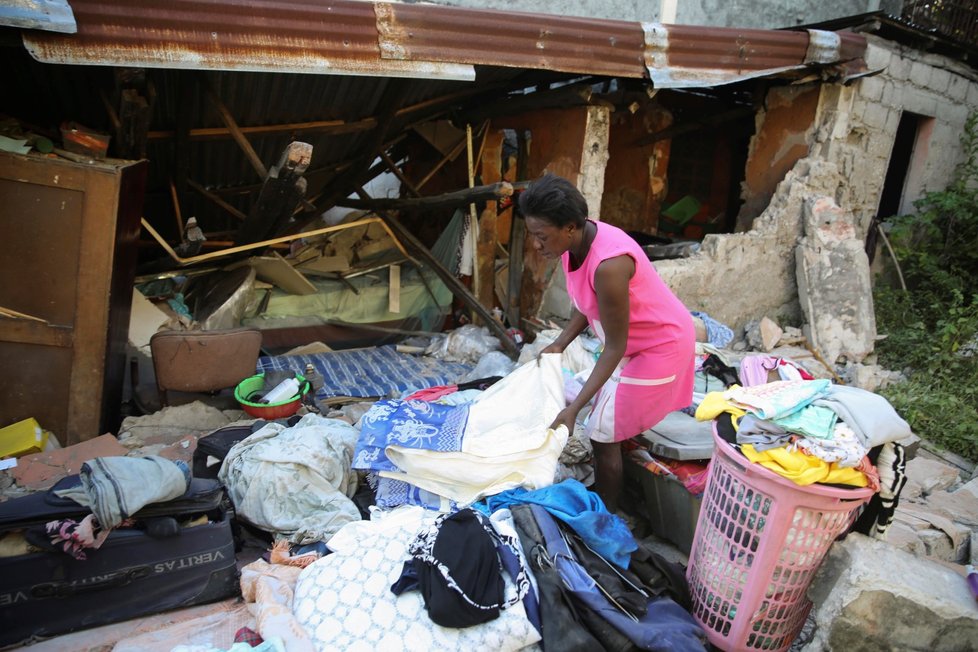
[645, 369]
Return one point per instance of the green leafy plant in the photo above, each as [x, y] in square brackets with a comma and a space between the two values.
[931, 327]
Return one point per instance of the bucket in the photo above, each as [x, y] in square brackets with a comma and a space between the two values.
[759, 540]
[256, 384]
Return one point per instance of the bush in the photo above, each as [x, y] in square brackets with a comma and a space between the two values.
[931, 327]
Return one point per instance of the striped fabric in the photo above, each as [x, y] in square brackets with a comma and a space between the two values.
[376, 371]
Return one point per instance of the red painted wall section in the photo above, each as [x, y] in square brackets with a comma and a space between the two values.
[782, 139]
[557, 145]
[635, 177]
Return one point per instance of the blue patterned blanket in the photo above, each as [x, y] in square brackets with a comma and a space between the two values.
[376, 371]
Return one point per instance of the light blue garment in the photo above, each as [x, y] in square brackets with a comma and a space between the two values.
[719, 335]
[582, 510]
[778, 399]
[811, 421]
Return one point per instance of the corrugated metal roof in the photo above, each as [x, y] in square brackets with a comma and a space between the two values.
[392, 39]
[411, 32]
[49, 15]
[684, 56]
[303, 36]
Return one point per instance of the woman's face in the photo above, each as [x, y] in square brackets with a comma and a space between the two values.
[550, 240]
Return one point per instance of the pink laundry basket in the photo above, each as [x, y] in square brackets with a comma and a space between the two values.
[759, 540]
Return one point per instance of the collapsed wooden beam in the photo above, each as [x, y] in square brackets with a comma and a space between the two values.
[449, 279]
[448, 200]
[264, 243]
[236, 133]
[327, 127]
[216, 200]
[397, 172]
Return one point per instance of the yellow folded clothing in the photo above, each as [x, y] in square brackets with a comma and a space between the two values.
[714, 404]
[803, 469]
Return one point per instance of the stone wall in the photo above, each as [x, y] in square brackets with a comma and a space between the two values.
[744, 276]
[929, 85]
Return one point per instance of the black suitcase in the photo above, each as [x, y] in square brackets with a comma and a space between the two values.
[131, 574]
[213, 448]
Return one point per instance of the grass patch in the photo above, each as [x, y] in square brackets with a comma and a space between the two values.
[931, 327]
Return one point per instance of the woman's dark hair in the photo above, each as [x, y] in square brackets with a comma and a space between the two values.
[554, 199]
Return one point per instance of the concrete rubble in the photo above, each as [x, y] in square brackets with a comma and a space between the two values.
[834, 284]
[870, 596]
[938, 512]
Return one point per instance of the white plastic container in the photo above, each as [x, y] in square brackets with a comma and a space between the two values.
[286, 389]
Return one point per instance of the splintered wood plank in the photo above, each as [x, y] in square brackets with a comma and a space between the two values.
[487, 244]
[276, 270]
[394, 294]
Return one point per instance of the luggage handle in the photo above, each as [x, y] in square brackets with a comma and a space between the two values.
[64, 589]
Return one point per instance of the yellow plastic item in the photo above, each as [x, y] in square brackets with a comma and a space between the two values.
[22, 438]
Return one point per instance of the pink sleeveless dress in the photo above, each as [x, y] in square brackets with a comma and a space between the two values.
[655, 376]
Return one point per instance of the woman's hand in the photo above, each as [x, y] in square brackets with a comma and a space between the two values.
[566, 417]
[553, 348]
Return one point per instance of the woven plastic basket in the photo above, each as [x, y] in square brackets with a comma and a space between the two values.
[759, 540]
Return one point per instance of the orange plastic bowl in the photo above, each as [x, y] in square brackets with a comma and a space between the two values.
[268, 411]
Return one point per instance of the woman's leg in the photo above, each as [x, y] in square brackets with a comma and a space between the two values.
[608, 473]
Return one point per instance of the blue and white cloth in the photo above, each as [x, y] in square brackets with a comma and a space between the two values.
[410, 423]
[719, 335]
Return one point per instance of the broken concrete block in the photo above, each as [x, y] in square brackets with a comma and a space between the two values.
[834, 285]
[961, 505]
[770, 334]
[791, 335]
[763, 335]
[905, 538]
[43, 470]
[870, 596]
[931, 475]
[937, 544]
[871, 377]
[953, 545]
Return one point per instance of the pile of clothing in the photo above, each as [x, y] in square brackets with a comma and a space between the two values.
[470, 543]
[812, 431]
[549, 567]
[436, 451]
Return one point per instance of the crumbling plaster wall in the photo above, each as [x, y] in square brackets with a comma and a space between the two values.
[744, 276]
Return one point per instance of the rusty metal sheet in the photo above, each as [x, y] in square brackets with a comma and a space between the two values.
[303, 36]
[48, 15]
[409, 32]
[688, 56]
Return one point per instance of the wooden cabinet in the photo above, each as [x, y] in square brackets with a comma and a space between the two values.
[68, 235]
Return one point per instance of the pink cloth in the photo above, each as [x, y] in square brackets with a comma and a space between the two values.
[432, 394]
[656, 374]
